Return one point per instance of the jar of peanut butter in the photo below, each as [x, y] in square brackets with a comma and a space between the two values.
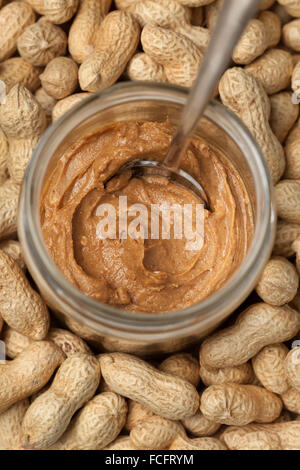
[134, 289]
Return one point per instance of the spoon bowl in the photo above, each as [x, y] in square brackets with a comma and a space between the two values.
[144, 168]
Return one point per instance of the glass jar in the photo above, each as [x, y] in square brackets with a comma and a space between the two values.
[106, 326]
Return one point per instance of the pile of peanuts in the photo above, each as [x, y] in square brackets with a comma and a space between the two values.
[243, 390]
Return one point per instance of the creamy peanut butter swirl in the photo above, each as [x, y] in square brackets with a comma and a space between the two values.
[140, 274]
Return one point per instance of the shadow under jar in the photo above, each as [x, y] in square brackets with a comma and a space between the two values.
[112, 328]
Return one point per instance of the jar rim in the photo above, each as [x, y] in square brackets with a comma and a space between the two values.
[93, 311]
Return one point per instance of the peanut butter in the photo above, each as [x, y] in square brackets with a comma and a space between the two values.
[143, 275]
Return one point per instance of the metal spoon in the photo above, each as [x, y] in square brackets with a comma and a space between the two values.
[231, 23]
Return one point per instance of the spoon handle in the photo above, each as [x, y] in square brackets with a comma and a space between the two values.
[233, 18]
